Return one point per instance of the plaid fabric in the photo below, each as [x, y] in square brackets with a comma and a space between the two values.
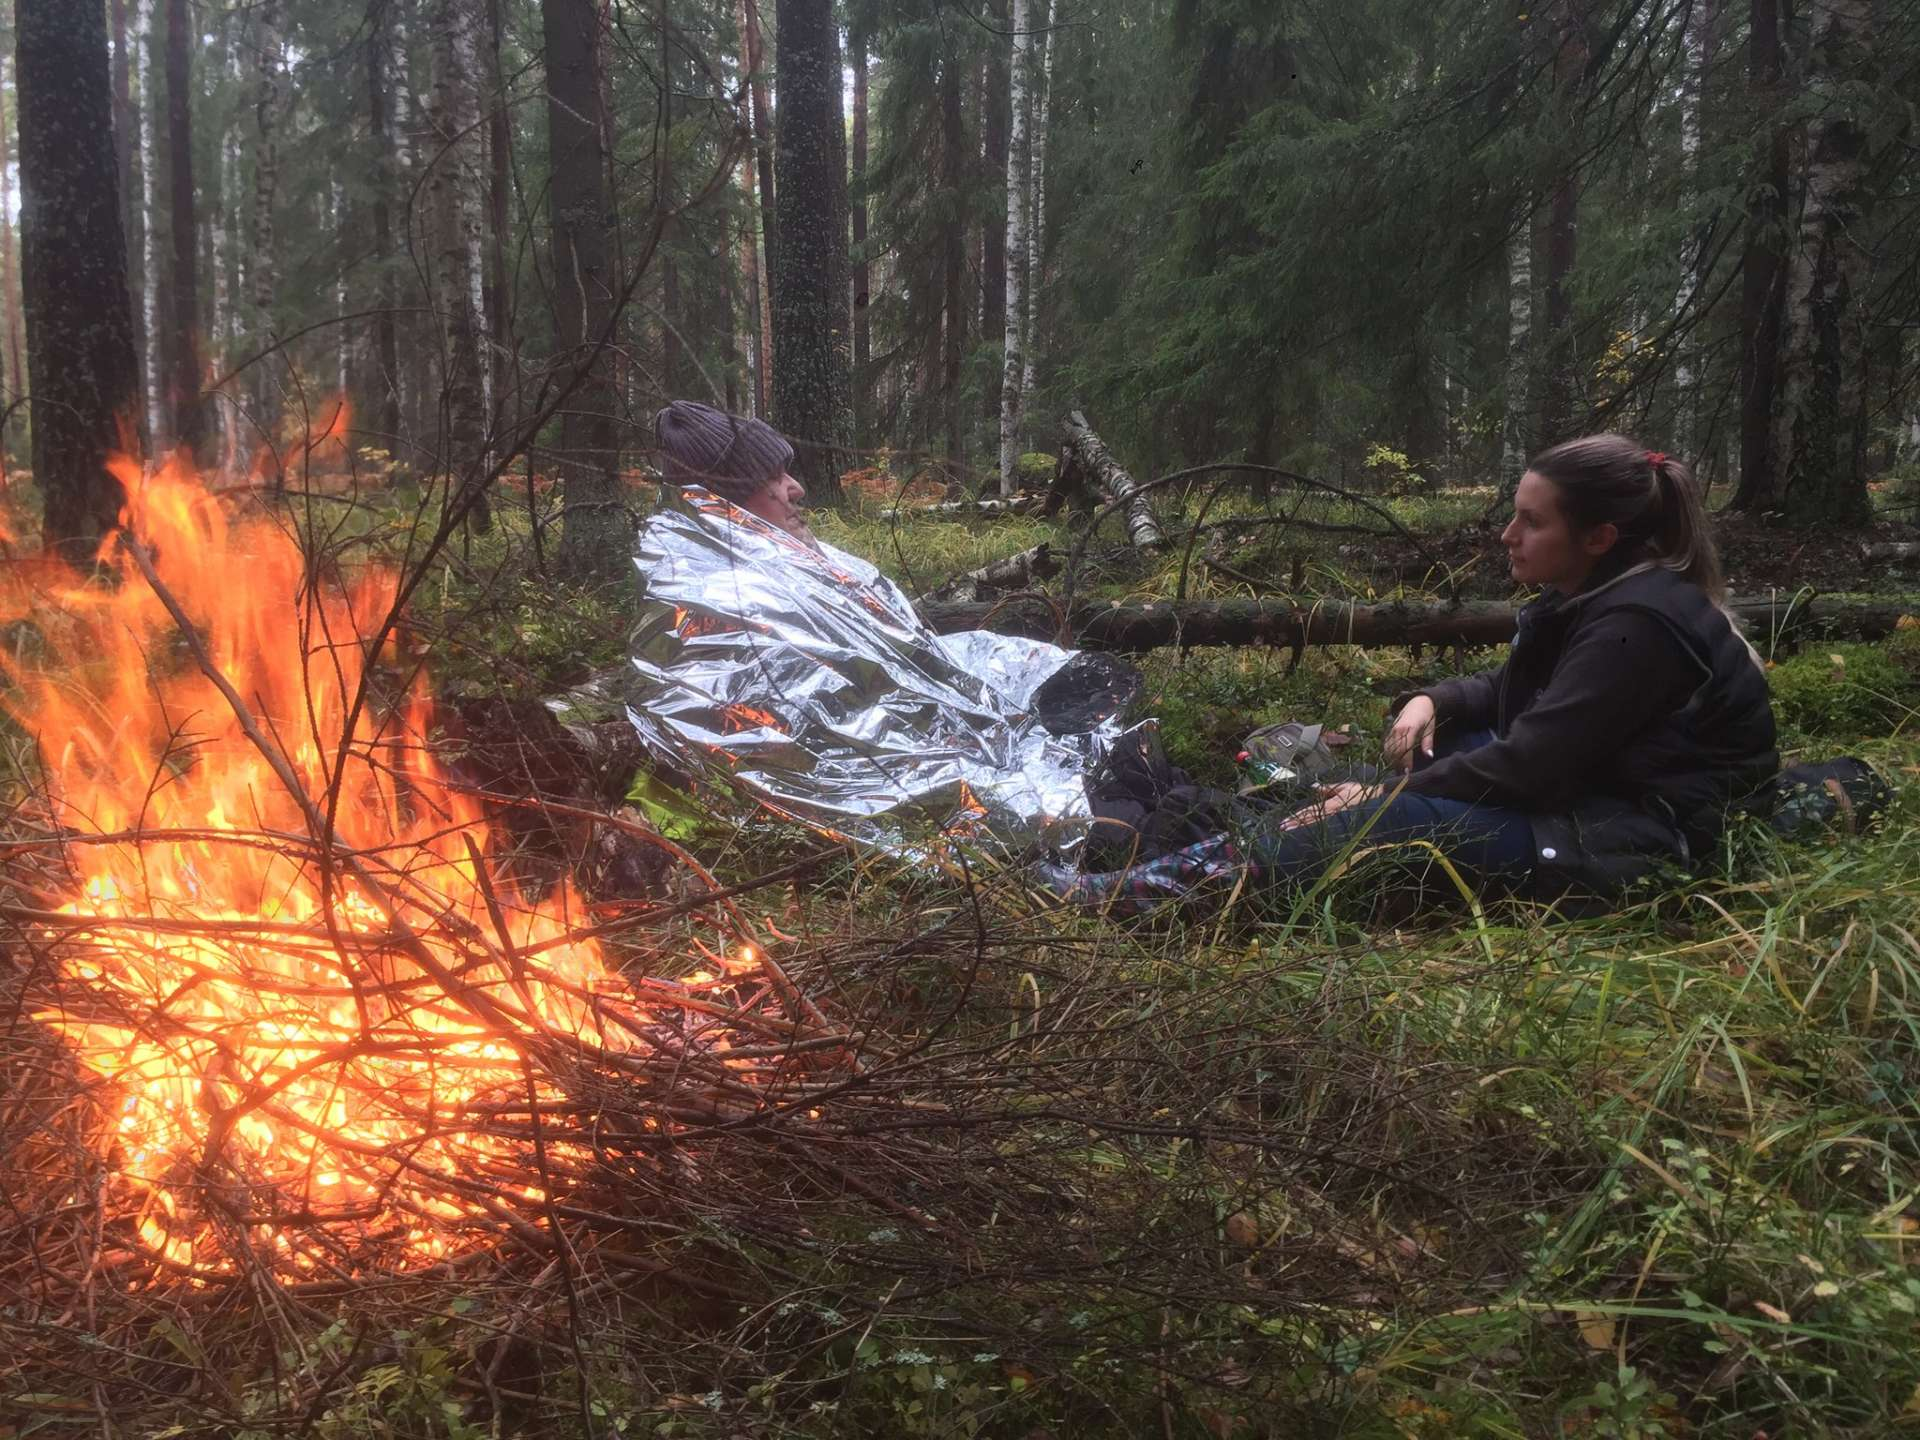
[1177, 875]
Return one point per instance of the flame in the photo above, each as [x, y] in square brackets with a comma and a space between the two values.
[279, 1039]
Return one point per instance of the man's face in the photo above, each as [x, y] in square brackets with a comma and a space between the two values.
[778, 503]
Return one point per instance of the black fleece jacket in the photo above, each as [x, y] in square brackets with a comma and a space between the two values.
[1615, 679]
[1626, 719]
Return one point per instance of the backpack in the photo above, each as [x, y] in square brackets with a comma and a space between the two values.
[1803, 801]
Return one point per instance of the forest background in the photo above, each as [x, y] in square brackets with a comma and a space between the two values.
[1322, 275]
[1296, 235]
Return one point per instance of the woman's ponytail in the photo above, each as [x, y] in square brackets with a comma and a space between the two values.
[1647, 495]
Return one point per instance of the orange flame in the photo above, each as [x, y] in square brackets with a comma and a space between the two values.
[269, 1025]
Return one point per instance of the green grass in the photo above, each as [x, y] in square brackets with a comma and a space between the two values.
[1270, 1171]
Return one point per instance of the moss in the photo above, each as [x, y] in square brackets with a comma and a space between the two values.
[1843, 690]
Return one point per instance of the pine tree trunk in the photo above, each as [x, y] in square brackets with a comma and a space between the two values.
[593, 529]
[862, 267]
[79, 320]
[455, 195]
[763, 145]
[386, 332]
[810, 360]
[1563, 388]
[1818, 438]
[673, 366]
[1013, 359]
[1763, 270]
[1517, 432]
[1041, 102]
[186, 422]
[953, 227]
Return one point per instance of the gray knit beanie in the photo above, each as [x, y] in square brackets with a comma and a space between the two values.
[730, 455]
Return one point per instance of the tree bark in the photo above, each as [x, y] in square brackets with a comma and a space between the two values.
[1763, 270]
[1563, 232]
[86, 377]
[995, 120]
[125, 130]
[262, 268]
[593, 538]
[386, 332]
[1135, 629]
[1041, 103]
[953, 241]
[1017, 572]
[499, 226]
[16, 359]
[762, 117]
[810, 358]
[149, 324]
[1818, 437]
[862, 268]
[186, 423]
[1517, 432]
[757, 180]
[1013, 367]
[455, 192]
[1086, 461]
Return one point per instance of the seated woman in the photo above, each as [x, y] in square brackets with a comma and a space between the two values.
[1629, 715]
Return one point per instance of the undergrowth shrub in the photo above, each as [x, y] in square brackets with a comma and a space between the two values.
[1843, 690]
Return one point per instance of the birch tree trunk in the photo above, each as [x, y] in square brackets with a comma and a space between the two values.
[995, 118]
[1013, 362]
[954, 162]
[862, 267]
[1818, 435]
[455, 191]
[79, 315]
[756, 259]
[186, 423]
[1517, 431]
[16, 360]
[1041, 103]
[386, 335]
[262, 262]
[1697, 31]
[149, 241]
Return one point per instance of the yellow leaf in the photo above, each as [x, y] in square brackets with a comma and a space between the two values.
[1599, 1331]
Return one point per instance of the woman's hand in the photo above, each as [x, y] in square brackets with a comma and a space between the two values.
[1411, 735]
[1333, 799]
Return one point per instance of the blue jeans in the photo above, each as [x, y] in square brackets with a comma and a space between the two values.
[1485, 843]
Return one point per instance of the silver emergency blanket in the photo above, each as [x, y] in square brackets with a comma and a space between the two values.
[802, 677]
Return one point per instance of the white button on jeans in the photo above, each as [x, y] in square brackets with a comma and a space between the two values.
[1549, 853]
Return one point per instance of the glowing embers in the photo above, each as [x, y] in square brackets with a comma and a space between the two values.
[309, 1002]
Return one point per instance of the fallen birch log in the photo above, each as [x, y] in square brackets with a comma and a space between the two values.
[1086, 462]
[987, 509]
[1017, 572]
[1132, 629]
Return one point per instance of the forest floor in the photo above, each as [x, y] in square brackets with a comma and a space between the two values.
[1294, 1168]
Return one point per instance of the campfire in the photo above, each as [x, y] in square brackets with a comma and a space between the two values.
[320, 1027]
